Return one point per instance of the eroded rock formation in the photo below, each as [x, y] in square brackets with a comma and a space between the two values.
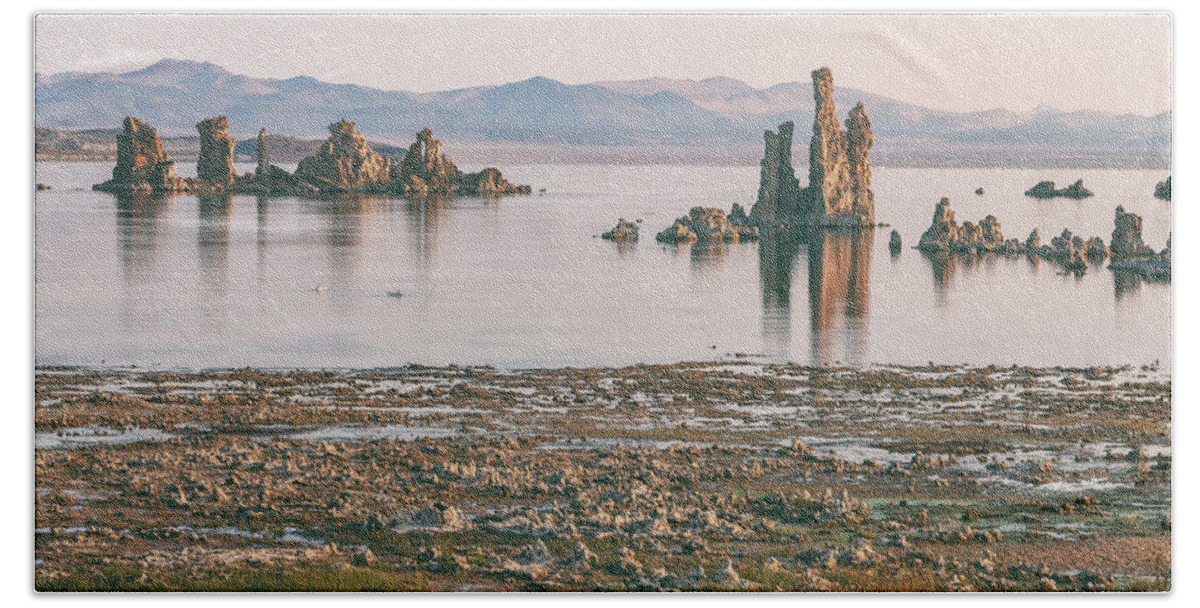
[142, 164]
[706, 225]
[426, 171]
[215, 164]
[839, 174]
[1047, 190]
[346, 163]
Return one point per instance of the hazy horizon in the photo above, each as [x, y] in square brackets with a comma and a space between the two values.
[1115, 62]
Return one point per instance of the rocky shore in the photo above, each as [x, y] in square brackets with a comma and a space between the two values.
[692, 476]
[344, 163]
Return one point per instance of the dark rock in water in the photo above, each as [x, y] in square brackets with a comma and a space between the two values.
[839, 174]
[894, 243]
[215, 164]
[426, 171]
[489, 182]
[142, 164]
[1042, 190]
[1047, 190]
[737, 216]
[346, 163]
[1076, 190]
[947, 236]
[1035, 240]
[979, 191]
[1068, 250]
[1096, 249]
[1163, 189]
[944, 234]
[942, 231]
[264, 154]
[43, 187]
[625, 231]
[778, 188]
[1127, 236]
[705, 225]
[1130, 255]
[1073, 260]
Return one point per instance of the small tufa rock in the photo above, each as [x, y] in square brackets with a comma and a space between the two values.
[426, 171]
[894, 243]
[1047, 190]
[624, 232]
[704, 225]
[1163, 189]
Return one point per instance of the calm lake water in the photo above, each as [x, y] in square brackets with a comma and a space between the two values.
[523, 281]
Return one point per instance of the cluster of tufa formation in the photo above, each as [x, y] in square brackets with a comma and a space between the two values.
[946, 235]
[710, 225]
[1128, 253]
[427, 171]
[1047, 190]
[1163, 189]
[142, 163]
[839, 173]
[345, 162]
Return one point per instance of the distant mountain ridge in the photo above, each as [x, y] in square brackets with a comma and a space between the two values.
[174, 95]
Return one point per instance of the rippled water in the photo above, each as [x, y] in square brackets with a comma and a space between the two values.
[231, 281]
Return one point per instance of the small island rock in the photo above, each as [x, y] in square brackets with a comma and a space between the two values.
[624, 232]
[706, 224]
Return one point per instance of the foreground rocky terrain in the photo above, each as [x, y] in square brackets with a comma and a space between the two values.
[694, 476]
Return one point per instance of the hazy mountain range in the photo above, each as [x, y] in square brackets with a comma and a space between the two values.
[174, 95]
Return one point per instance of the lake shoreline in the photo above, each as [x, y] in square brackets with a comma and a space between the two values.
[691, 476]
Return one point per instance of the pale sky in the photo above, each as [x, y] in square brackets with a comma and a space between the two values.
[964, 62]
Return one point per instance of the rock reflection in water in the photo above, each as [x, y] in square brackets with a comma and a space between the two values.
[708, 255]
[213, 237]
[944, 266]
[839, 272]
[348, 217]
[425, 217]
[139, 224]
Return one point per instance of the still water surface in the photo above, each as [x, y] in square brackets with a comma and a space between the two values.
[230, 281]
